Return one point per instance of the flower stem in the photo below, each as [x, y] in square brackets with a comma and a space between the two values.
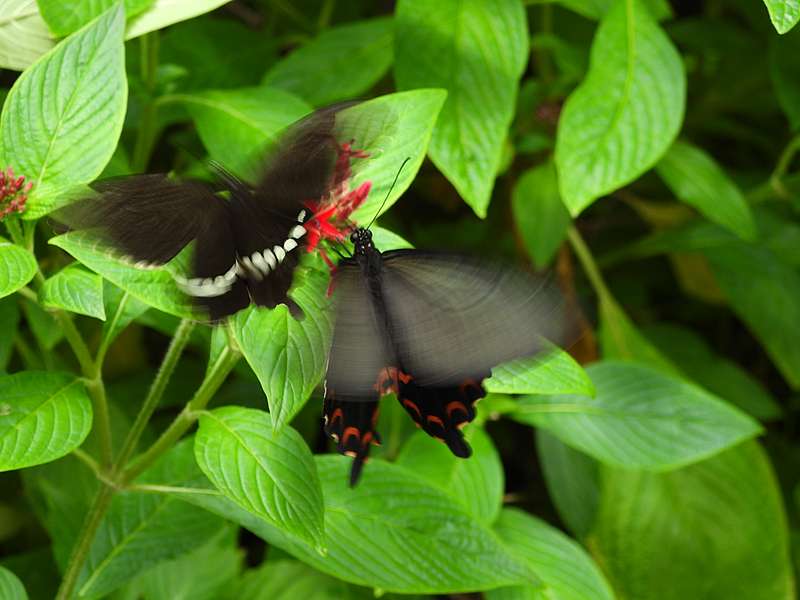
[150, 403]
[148, 127]
[214, 378]
[587, 262]
[784, 161]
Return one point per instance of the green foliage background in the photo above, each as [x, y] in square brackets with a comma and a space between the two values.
[644, 149]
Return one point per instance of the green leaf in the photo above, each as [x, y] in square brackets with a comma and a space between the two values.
[718, 375]
[17, 267]
[43, 416]
[719, 524]
[236, 125]
[596, 9]
[76, 290]
[640, 418]
[166, 12]
[477, 51]
[23, 34]
[341, 63]
[573, 481]
[696, 179]
[763, 291]
[287, 355]
[9, 321]
[142, 529]
[66, 142]
[154, 287]
[540, 215]
[552, 372]
[784, 64]
[626, 113]
[567, 571]
[217, 53]
[65, 16]
[390, 128]
[476, 484]
[269, 473]
[11, 588]
[388, 240]
[203, 574]
[291, 580]
[400, 550]
[784, 14]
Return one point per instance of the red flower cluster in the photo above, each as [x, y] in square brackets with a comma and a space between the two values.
[330, 214]
[13, 194]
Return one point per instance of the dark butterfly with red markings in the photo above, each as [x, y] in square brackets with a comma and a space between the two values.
[248, 238]
[427, 326]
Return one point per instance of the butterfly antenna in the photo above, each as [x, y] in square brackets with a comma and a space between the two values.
[396, 177]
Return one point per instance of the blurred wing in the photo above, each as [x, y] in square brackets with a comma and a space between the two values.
[147, 218]
[452, 318]
[358, 358]
[268, 219]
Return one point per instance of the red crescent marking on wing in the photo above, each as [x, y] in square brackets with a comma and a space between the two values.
[350, 431]
[455, 405]
[409, 404]
[435, 419]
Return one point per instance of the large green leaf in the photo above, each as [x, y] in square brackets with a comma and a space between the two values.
[142, 529]
[572, 480]
[784, 14]
[552, 372]
[714, 530]
[540, 215]
[154, 287]
[17, 267]
[43, 416]
[65, 16]
[76, 290]
[288, 355]
[763, 290]
[717, 374]
[392, 128]
[477, 51]
[270, 474]
[476, 483]
[694, 177]
[626, 113]
[292, 580]
[395, 532]
[236, 125]
[342, 63]
[63, 117]
[218, 562]
[640, 418]
[567, 571]
[11, 588]
[23, 34]
[166, 12]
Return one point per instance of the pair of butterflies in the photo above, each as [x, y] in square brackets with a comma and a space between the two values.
[427, 326]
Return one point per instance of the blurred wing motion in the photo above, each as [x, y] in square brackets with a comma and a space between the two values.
[428, 327]
[247, 243]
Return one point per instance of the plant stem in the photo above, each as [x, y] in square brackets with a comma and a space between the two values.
[14, 230]
[214, 378]
[94, 384]
[784, 161]
[100, 357]
[176, 347]
[84, 543]
[587, 262]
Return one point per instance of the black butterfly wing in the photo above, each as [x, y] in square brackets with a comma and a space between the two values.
[268, 218]
[357, 360]
[451, 318]
[147, 218]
